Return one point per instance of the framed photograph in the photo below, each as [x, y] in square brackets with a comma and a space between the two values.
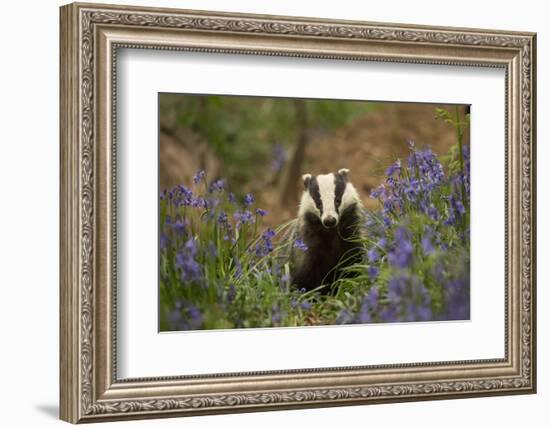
[265, 212]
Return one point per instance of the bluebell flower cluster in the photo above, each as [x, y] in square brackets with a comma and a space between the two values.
[417, 254]
[185, 316]
[204, 240]
[265, 246]
[243, 218]
[186, 260]
[412, 185]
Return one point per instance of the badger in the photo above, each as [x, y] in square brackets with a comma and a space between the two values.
[328, 223]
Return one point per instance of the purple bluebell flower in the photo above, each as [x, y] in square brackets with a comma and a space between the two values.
[191, 270]
[418, 306]
[199, 202]
[179, 226]
[389, 314]
[372, 296]
[299, 244]
[373, 272]
[378, 192]
[268, 234]
[195, 317]
[198, 176]
[192, 246]
[459, 207]
[249, 199]
[175, 318]
[433, 213]
[396, 167]
[457, 296]
[264, 248]
[185, 316]
[218, 185]
[429, 167]
[245, 217]
[409, 297]
[413, 190]
[305, 305]
[238, 267]
[265, 245]
[364, 315]
[402, 254]
[231, 198]
[261, 212]
[228, 235]
[183, 196]
[373, 254]
[222, 218]
[456, 210]
[417, 312]
[396, 288]
[164, 241]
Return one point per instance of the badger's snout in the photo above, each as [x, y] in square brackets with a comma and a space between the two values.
[329, 221]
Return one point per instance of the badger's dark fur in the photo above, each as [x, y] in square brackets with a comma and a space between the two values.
[328, 223]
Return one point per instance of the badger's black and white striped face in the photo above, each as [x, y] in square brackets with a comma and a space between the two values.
[327, 196]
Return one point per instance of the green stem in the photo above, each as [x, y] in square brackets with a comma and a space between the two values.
[460, 154]
[461, 159]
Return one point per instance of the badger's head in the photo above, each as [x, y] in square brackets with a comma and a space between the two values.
[327, 197]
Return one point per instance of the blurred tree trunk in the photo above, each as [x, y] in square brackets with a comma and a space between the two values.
[291, 181]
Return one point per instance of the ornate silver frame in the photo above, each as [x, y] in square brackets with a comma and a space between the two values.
[90, 36]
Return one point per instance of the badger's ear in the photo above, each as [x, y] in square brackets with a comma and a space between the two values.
[343, 173]
[306, 178]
